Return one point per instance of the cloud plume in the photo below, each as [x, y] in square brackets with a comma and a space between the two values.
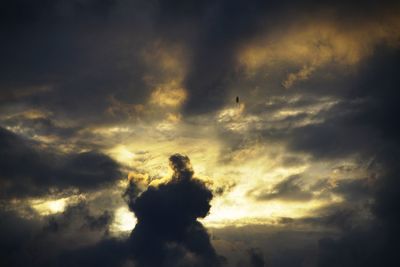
[167, 232]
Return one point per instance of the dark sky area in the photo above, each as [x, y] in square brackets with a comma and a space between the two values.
[151, 133]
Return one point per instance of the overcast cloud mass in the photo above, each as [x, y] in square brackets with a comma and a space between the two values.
[122, 142]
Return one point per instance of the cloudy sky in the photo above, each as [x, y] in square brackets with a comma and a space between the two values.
[122, 142]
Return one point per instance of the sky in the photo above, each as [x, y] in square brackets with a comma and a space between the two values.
[149, 133]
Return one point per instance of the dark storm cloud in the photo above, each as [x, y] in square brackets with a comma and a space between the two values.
[167, 232]
[378, 245]
[375, 245]
[364, 121]
[329, 139]
[75, 51]
[29, 170]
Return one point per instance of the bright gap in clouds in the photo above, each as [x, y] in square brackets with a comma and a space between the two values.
[124, 221]
[47, 207]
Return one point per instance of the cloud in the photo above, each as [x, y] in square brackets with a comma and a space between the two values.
[377, 244]
[83, 67]
[195, 51]
[354, 189]
[256, 258]
[78, 217]
[290, 189]
[328, 39]
[30, 170]
[44, 241]
[80, 72]
[108, 252]
[15, 232]
[167, 230]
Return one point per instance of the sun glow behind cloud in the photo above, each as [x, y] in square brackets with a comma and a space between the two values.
[52, 206]
[49, 207]
[253, 166]
[249, 165]
[124, 221]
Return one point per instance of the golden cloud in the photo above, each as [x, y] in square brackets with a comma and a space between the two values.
[168, 95]
[310, 45]
[167, 65]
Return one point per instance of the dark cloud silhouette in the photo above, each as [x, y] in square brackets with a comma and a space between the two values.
[27, 169]
[167, 232]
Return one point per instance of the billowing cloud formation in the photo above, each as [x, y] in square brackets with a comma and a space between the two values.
[167, 232]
